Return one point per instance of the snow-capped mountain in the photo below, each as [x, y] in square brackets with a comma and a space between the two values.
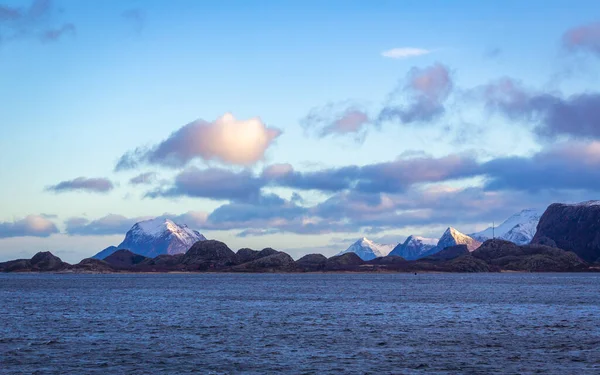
[519, 228]
[367, 249]
[414, 247]
[452, 237]
[155, 237]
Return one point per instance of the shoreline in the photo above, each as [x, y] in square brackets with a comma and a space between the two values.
[595, 271]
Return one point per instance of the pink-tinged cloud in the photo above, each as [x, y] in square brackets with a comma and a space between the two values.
[30, 226]
[583, 38]
[423, 95]
[228, 140]
[350, 122]
[274, 171]
[336, 119]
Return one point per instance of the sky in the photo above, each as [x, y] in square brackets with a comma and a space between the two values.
[297, 125]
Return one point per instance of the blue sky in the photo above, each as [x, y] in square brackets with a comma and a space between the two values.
[493, 115]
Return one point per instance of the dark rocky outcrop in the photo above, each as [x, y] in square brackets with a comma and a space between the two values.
[534, 258]
[43, 261]
[574, 228]
[312, 263]
[46, 261]
[124, 259]
[17, 265]
[468, 263]
[390, 259]
[161, 263]
[248, 255]
[450, 252]
[276, 262]
[92, 265]
[344, 262]
[543, 240]
[209, 255]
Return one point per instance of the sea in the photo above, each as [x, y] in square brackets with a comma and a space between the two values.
[514, 323]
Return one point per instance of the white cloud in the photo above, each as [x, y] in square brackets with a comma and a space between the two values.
[405, 52]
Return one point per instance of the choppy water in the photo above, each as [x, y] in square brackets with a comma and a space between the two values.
[312, 323]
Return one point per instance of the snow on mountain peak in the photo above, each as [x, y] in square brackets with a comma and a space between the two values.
[161, 226]
[155, 237]
[587, 203]
[425, 240]
[519, 228]
[452, 237]
[367, 249]
[414, 247]
[157, 226]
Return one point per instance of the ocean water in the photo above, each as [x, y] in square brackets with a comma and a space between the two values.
[300, 324]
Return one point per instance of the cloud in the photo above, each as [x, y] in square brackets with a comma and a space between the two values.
[52, 35]
[228, 140]
[265, 207]
[136, 17]
[566, 166]
[405, 52]
[107, 225]
[9, 13]
[583, 38]
[254, 232]
[30, 226]
[552, 114]
[393, 176]
[336, 119]
[193, 219]
[143, 179]
[33, 21]
[92, 185]
[332, 179]
[212, 183]
[425, 91]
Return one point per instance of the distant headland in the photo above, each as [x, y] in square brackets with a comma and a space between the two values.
[566, 240]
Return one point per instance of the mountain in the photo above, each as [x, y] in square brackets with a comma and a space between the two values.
[533, 258]
[451, 252]
[106, 252]
[452, 237]
[572, 227]
[519, 228]
[367, 249]
[124, 259]
[155, 237]
[209, 255]
[414, 247]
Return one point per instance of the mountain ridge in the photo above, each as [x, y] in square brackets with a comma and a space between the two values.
[155, 237]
